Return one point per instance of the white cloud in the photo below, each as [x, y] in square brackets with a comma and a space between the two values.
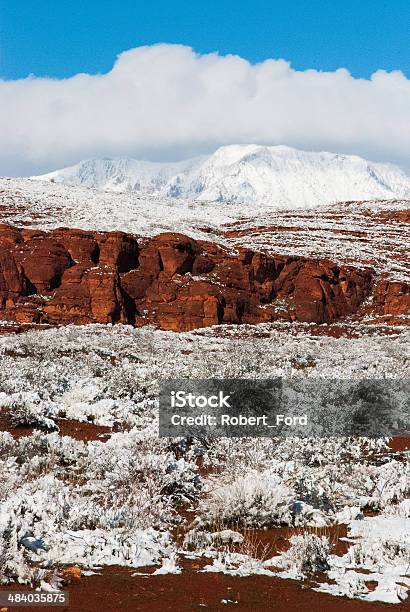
[167, 102]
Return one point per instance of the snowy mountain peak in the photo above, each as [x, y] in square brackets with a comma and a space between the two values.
[277, 176]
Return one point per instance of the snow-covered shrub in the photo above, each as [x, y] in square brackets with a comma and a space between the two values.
[377, 553]
[137, 458]
[196, 540]
[402, 509]
[331, 487]
[392, 484]
[10, 477]
[15, 559]
[28, 410]
[308, 553]
[169, 566]
[41, 453]
[257, 499]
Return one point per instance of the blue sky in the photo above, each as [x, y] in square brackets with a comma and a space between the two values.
[60, 38]
[164, 81]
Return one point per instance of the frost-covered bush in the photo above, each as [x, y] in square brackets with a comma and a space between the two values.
[326, 475]
[392, 484]
[378, 553]
[401, 509]
[88, 501]
[332, 487]
[28, 410]
[15, 560]
[6, 442]
[307, 554]
[41, 453]
[257, 499]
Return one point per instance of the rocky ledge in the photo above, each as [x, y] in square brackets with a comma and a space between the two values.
[177, 283]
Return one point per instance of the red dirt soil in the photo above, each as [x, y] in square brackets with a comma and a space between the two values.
[75, 429]
[399, 444]
[117, 590]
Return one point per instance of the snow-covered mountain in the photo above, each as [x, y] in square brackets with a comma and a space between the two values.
[277, 176]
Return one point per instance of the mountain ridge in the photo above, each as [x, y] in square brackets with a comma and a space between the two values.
[277, 176]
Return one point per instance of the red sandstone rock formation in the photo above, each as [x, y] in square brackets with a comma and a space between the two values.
[172, 281]
[392, 297]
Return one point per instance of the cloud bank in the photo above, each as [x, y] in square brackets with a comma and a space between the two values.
[166, 102]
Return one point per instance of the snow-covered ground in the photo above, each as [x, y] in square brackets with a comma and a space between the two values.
[278, 176]
[380, 554]
[358, 233]
[64, 501]
[46, 205]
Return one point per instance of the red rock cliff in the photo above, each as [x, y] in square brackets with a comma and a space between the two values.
[172, 281]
